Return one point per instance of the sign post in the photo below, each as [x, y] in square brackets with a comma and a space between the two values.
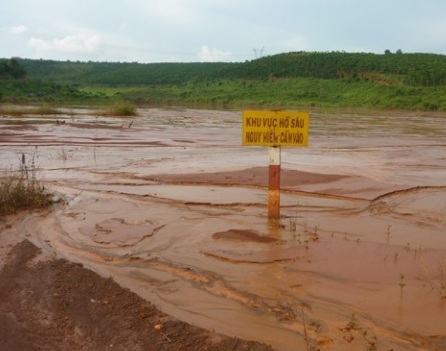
[275, 129]
[274, 183]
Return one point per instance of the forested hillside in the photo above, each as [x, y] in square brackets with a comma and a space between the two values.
[123, 74]
[411, 69]
[390, 80]
[11, 69]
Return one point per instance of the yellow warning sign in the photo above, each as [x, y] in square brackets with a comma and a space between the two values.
[275, 128]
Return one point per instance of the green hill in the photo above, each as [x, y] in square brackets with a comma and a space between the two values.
[120, 74]
[399, 80]
[410, 69]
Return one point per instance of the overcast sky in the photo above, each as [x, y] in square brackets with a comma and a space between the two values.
[215, 30]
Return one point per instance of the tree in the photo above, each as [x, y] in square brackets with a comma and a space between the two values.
[16, 70]
[4, 69]
[11, 69]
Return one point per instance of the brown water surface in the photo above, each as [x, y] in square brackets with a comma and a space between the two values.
[172, 207]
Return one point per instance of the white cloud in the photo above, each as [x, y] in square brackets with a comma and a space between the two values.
[207, 54]
[77, 43]
[19, 29]
[39, 44]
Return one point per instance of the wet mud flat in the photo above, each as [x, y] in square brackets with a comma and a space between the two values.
[53, 304]
[171, 207]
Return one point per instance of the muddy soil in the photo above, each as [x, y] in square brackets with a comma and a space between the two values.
[170, 209]
[53, 304]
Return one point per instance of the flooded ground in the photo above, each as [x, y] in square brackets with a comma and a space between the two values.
[172, 207]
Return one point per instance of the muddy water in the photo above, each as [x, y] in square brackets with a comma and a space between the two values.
[171, 206]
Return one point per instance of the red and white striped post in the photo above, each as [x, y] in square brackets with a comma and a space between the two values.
[275, 129]
[274, 183]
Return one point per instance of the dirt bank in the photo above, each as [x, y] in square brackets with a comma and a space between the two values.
[53, 304]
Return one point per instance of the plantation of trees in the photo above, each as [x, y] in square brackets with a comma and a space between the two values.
[389, 80]
[411, 69]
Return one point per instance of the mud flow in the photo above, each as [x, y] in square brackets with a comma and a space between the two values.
[172, 207]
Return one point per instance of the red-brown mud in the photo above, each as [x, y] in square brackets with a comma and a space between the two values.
[54, 304]
[356, 262]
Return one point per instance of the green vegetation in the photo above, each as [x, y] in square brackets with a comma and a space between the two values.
[287, 93]
[11, 69]
[21, 190]
[296, 79]
[121, 74]
[41, 91]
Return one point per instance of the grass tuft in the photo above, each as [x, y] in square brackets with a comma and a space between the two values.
[122, 108]
[20, 190]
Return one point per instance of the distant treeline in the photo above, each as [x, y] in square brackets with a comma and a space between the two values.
[398, 68]
[411, 69]
[320, 79]
[121, 74]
